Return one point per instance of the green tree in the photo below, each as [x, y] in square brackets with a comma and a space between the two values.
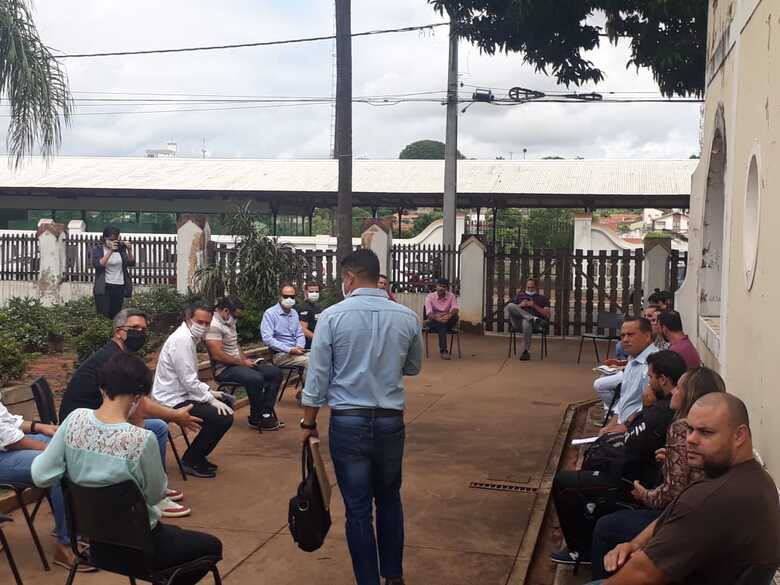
[423, 221]
[425, 149]
[33, 82]
[667, 36]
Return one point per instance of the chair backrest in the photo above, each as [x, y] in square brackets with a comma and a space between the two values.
[612, 321]
[756, 575]
[44, 401]
[115, 515]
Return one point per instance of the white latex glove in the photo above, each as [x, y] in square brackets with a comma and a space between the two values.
[221, 407]
[217, 394]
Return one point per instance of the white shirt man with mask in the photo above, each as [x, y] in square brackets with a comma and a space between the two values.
[176, 384]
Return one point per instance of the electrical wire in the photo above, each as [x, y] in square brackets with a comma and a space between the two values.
[252, 44]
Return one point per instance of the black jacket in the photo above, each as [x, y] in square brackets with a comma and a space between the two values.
[646, 434]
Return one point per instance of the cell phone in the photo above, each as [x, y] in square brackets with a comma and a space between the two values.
[628, 482]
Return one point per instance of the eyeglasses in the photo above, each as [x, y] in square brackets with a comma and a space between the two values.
[288, 296]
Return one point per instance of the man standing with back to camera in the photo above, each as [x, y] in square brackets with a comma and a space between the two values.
[363, 347]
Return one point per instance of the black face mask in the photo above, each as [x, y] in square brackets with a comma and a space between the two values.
[135, 339]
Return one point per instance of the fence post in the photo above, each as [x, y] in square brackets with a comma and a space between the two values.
[193, 234]
[51, 244]
[77, 226]
[472, 289]
[583, 236]
[379, 239]
[656, 268]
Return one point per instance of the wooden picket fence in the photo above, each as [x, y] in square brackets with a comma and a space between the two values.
[19, 257]
[416, 268]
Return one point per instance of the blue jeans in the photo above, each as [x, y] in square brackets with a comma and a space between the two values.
[15, 468]
[614, 529]
[160, 430]
[367, 455]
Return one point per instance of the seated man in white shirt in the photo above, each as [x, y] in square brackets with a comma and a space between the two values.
[176, 384]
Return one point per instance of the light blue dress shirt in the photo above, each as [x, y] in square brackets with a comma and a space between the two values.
[362, 348]
[281, 331]
[635, 380]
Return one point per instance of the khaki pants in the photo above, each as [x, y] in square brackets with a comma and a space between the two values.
[285, 360]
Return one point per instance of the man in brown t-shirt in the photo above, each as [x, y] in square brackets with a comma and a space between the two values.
[717, 528]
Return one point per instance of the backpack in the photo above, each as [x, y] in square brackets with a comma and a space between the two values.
[307, 518]
[607, 455]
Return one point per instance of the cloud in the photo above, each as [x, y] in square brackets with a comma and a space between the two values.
[391, 64]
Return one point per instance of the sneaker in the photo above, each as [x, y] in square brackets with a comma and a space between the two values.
[525, 356]
[569, 557]
[170, 509]
[210, 465]
[445, 355]
[174, 495]
[200, 470]
[269, 422]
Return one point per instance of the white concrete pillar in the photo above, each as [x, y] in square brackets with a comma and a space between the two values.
[193, 234]
[378, 238]
[655, 272]
[51, 246]
[77, 226]
[583, 235]
[472, 284]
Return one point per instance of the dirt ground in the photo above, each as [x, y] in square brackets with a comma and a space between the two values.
[483, 418]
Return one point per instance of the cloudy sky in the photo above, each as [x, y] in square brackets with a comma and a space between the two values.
[382, 65]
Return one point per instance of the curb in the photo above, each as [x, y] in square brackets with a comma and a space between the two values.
[525, 552]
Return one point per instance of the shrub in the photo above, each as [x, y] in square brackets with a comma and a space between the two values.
[160, 299]
[29, 322]
[248, 327]
[95, 333]
[73, 316]
[13, 358]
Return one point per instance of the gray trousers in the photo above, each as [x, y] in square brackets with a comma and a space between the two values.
[521, 320]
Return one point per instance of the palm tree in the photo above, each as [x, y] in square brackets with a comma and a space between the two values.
[34, 84]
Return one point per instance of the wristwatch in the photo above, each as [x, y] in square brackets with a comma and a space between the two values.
[306, 427]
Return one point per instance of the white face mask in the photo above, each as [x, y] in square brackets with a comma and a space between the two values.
[288, 303]
[530, 293]
[198, 331]
[313, 297]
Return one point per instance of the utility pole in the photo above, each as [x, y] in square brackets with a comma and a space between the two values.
[343, 140]
[451, 144]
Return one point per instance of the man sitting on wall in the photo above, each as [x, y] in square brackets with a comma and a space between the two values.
[528, 312]
[671, 327]
[441, 310]
[716, 529]
[231, 365]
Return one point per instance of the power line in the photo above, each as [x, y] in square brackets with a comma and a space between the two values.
[253, 44]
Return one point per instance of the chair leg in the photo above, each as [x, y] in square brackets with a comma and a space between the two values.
[579, 355]
[511, 338]
[217, 578]
[596, 349]
[460, 356]
[176, 456]
[10, 557]
[284, 386]
[609, 347]
[186, 438]
[72, 573]
[132, 580]
[426, 343]
[31, 526]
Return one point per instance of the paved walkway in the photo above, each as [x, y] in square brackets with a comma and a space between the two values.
[477, 419]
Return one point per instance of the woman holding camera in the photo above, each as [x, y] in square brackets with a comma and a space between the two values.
[111, 260]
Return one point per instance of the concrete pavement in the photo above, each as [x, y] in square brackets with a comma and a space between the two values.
[483, 418]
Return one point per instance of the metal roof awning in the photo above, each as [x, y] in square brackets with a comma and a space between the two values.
[296, 187]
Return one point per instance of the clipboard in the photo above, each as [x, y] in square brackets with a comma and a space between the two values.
[322, 474]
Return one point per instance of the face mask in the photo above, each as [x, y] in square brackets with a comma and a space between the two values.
[198, 331]
[288, 303]
[133, 408]
[135, 339]
[314, 297]
[530, 293]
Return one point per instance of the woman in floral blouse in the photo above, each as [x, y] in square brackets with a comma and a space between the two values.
[622, 526]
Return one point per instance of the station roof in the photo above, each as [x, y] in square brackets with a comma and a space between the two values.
[295, 186]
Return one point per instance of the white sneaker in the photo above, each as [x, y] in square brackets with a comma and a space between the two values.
[171, 509]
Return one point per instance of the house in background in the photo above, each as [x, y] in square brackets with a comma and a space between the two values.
[731, 302]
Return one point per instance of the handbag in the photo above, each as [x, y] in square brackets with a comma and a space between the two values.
[307, 518]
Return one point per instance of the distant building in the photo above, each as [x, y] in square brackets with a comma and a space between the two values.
[169, 151]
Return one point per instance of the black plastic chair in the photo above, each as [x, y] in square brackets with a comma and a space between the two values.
[756, 575]
[541, 328]
[290, 371]
[7, 549]
[612, 322]
[127, 534]
[44, 401]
